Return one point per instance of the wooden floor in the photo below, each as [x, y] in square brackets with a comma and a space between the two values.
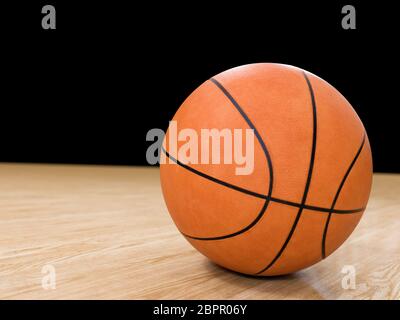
[106, 233]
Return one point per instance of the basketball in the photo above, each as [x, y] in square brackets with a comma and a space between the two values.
[288, 195]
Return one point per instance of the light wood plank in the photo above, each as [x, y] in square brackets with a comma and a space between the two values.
[108, 235]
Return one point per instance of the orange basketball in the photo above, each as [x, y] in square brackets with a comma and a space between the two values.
[311, 175]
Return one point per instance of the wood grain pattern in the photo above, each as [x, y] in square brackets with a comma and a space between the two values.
[108, 235]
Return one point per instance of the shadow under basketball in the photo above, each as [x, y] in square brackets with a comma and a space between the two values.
[265, 284]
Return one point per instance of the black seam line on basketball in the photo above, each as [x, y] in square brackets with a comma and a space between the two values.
[309, 176]
[256, 133]
[259, 195]
[269, 162]
[323, 244]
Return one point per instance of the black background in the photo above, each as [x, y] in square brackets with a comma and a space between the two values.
[144, 309]
[89, 91]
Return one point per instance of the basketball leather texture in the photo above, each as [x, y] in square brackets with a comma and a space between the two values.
[311, 179]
